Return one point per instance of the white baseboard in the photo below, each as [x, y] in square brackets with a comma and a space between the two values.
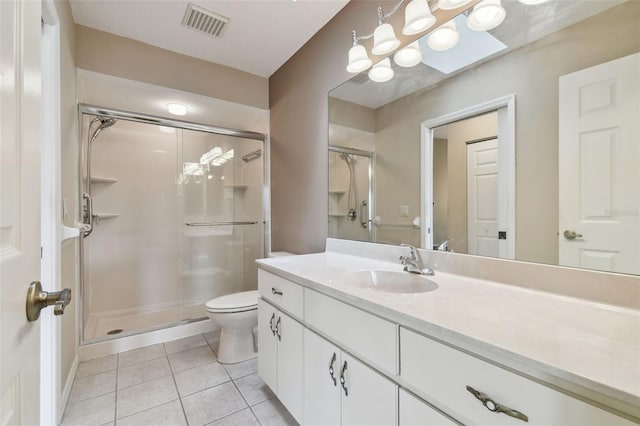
[97, 350]
[66, 390]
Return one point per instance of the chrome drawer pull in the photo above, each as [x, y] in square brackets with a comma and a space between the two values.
[274, 291]
[494, 407]
[342, 379]
[333, 360]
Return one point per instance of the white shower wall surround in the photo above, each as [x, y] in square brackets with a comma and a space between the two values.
[143, 267]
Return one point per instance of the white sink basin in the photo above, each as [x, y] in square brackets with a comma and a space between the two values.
[387, 281]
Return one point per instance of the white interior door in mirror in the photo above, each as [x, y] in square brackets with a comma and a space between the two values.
[482, 198]
[599, 178]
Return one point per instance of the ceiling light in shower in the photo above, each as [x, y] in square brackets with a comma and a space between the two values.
[486, 15]
[176, 109]
[444, 37]
[408, 56]
[531, 2]
[381, 71]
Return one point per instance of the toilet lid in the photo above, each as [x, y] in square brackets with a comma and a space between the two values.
[244, 300]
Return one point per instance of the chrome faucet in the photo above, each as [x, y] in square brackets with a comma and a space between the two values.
[444, 246]
[413, 263]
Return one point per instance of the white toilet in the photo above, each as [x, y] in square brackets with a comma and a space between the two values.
[237, 315]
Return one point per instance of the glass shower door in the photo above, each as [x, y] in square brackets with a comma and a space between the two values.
[221, 187]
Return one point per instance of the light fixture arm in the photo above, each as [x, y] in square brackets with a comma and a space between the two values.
[382, 19]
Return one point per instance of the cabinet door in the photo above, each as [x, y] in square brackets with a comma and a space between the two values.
[267, 344]
[369, 398]
[290, 341]
[413, 412]
[321, 389]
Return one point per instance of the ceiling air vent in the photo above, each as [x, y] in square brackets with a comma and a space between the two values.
[204, 20]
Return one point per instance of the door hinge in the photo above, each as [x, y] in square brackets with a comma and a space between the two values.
[41, 251]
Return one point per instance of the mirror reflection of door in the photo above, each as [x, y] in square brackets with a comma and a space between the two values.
[467, 182]
[599, 203]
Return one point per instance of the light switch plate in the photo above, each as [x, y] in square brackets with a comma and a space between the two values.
[404, 211]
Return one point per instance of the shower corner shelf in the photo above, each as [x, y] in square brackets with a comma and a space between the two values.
[337, 192]
[95, 179]
[337, 214]
[237, 187]
[103, 216]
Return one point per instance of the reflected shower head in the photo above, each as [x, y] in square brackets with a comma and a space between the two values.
[104, 123]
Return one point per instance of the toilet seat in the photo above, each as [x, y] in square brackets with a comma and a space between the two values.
[236, 302]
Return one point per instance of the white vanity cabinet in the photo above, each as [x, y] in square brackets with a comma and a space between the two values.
[280, 340]
[341, 390]
[414, 412]
[446, 375]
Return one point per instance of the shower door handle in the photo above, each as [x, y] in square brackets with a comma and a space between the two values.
[364, 221]
[87, 214]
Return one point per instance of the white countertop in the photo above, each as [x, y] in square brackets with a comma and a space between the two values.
[586, 348]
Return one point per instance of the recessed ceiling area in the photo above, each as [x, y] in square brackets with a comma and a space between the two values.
[261, 35]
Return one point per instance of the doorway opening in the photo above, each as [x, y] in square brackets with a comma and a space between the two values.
[468, 181]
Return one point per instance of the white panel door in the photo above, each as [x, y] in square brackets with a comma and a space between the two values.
[322, 389]
[482, 198]
[599, 159]
[368, 399]
[290, 341]
[267, 344]
[20, 111]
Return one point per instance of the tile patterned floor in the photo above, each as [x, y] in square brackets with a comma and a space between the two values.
[174, 383]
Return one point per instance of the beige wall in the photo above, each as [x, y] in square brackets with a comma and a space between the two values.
[440, 191]
[351, 115]
[299, 103]
[68, 117]
[122, 57]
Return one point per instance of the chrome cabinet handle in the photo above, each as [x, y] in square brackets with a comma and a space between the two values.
[342, 379]
[271, 325]
[274, 291]
[278, 328]
[571, 235]
[333, 360]
[494, 407]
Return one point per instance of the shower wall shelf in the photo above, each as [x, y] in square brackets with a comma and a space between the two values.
[237, 187]
[337, 214]
[103, 216]
[337, 193]
[95, 179]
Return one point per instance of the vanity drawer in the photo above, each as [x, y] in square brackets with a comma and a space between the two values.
[368, 336]
[281, 292]
[443, 373]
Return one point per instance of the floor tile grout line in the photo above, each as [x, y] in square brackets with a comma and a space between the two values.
[175, 383]
[115, 402]
[245, 401]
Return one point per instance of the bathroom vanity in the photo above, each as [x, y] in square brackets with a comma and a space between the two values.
[340, 344]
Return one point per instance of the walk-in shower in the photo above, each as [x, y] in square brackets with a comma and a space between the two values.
[173, 216]
[350, 193]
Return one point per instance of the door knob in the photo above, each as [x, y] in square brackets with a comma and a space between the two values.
[38, 300]
[571, 235]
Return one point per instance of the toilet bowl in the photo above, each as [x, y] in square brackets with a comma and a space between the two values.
[237, 315]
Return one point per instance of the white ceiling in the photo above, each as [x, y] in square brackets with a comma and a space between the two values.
[259, 38]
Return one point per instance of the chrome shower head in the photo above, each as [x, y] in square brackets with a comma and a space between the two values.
[104, 123]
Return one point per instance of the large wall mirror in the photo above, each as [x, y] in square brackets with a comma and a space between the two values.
[520, 142]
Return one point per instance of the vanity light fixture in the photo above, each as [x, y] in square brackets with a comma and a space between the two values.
[176, 109]
[417, 17]
[381, 71]
[444, 37]
[408, 56]
[384, 38]
[358, 58]
[451, 4]
[486, 15]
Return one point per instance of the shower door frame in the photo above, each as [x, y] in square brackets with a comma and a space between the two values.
[119, 114]
[371, 156]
